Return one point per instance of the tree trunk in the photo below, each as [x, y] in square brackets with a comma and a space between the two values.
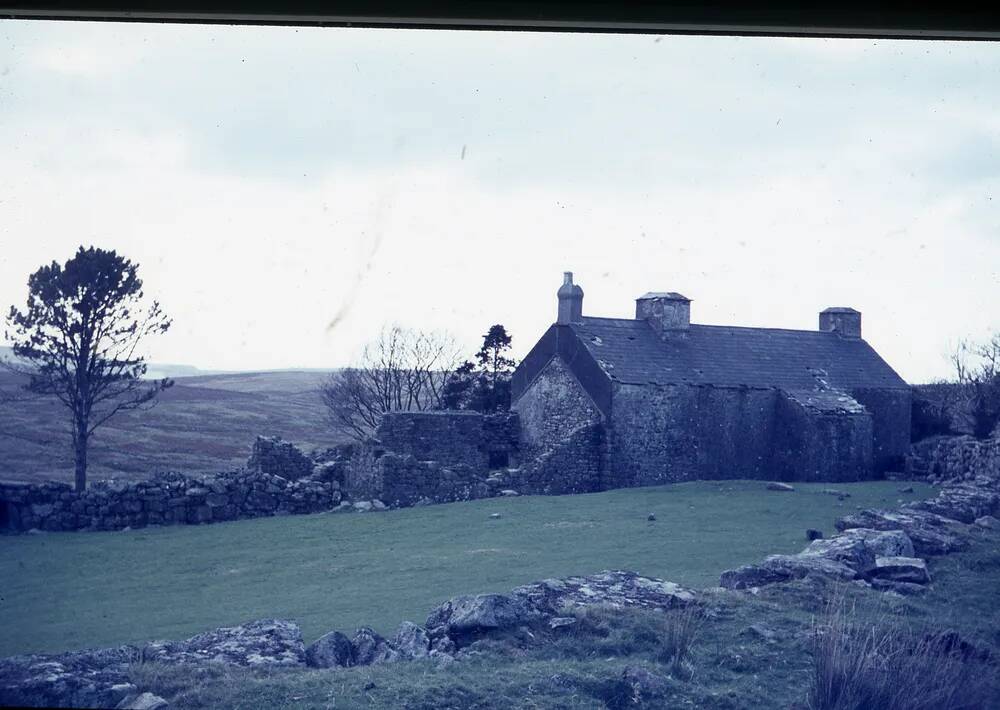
[80, 446]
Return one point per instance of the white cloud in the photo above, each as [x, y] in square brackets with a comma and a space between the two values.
[254, 259]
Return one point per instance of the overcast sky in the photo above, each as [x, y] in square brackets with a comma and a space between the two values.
[272, 180]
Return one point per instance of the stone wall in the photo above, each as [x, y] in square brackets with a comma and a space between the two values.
[820, 436]
[949, 458]
[575, 465]
[891, 412]
[553, 406]
[165, 499]
[437, 457]
[680, 433]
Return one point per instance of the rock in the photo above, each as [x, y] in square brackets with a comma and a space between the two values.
[363, 506]
[378, 505]
[94, 678]
[467, 616]
[963, 502]
[267, 642]
[643, 684]
[988, 522]
[901, 588]
[907, 489]
[931, 534]
[761, 631]
[615, 588]
[812, 534]
[370, 648]
[775, 486]
[560, 621]
[411, 641]
[782, 568]
[442, 658]
[330, 650]
[857, 548]
[834, 492]
[507, 492]
[143, 701]
[651, 517]
[494, 516]
[901, 569]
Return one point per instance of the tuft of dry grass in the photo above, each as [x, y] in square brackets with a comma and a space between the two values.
[680, 631]
[878, 666]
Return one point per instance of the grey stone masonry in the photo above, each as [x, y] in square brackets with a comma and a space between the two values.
[164, 499]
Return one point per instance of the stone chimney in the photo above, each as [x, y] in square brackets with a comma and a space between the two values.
[666, 312]
[846, 322]
[570, 301]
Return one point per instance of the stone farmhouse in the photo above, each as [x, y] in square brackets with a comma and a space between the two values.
[672, 400]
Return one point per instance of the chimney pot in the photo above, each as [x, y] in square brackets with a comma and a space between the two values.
[845, 322]
[666, 312]
[570, 301]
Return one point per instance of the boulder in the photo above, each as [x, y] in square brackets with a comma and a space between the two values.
[776, 486]
[329, 651]
[614, 588]
[988, 522]
[467, 616]
[411, 641]
[963, 502]
[370, 648]
[782, 568]
[903, 588]
[142, 701]
[93, 678]
[931, 534]
[267, 642]
[901, 569]
[858, 547]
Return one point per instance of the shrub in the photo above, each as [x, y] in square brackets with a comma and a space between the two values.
[877, 666]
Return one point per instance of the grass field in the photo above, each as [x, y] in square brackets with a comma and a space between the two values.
[63, 591]
[733, 665]
[202, 424]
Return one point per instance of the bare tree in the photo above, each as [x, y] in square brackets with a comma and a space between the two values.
[401, 370]
[77, 341]
[977, 369]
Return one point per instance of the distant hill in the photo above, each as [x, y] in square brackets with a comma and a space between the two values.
[203, 423]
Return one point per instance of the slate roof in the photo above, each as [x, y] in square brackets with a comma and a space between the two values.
[630, 351]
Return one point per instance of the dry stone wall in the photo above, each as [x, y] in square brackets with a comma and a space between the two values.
[175, 498]
[954, 458]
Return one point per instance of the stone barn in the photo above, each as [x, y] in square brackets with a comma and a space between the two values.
[673, 400]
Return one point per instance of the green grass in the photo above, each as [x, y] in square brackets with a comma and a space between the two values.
[63, 591]
[729, 668]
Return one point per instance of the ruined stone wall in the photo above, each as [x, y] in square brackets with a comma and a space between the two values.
[680, 433]
[165, 499]
[438, 457]
[553, 407]
[812, 446]
[575, 465]
[950, 458]
[891, 410]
